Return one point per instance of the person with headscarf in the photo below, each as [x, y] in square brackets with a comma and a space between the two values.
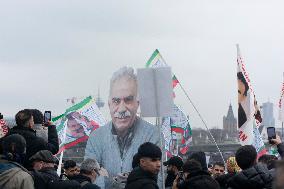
[232, 168]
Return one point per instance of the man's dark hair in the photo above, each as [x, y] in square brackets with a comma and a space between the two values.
[13, 146]
[268, 160]
[243, 80]
[37, 115]
[207, 182]
[246, 156]
[149, 150]
[22, 117]
[219, 164]
[135, 161]
[200, 157]
[14, 143]
[191, 166]
[69, 164]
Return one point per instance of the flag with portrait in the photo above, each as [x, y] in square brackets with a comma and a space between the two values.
[249, 117]
[78, 121]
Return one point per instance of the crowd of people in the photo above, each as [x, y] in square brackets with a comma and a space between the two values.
[28, 161]
[125, 153]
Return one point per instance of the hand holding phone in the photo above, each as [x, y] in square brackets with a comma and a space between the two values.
[277, 140]
[46, 117]
[271, 134]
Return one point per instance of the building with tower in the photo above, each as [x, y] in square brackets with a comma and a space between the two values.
[267, 114]
[230, 123]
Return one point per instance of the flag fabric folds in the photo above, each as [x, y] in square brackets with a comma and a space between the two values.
[3, 128]
[156, 60]
[177, 124]
[174, 126]
[249, 117]
[78, 121]
[281, 103]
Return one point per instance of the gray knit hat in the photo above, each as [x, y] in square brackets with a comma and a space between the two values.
[90, 165]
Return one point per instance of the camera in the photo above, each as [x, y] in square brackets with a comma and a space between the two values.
[1, 116]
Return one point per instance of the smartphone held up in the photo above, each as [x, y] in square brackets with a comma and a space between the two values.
[271, 134]
[46, 117]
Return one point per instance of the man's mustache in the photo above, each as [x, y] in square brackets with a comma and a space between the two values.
[122, 115]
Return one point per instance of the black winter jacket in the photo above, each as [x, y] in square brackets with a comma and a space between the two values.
[140, 179]
[223, 180]
[280, 149]
[201, 180]
[47, 178]
[256, 177]
[85, 182]
[34, 143]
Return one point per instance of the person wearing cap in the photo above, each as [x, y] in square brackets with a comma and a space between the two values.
[45, 176]
[174, 166]
[145, 175]
[12, 174]
[89, 171]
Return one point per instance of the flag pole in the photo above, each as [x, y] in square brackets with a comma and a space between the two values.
[158, 124]
[61, 155]
[200, 117]
[203, 121]
[60, 163]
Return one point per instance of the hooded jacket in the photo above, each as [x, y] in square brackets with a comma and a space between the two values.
[14, 176]
[256, 177]
[47, 178]
[140, 179]
[223, 179]
[200, 179]
[85, 182]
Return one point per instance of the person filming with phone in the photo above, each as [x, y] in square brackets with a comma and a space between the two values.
[275, 139]
[25, 127]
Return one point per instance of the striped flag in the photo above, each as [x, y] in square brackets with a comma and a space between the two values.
[281, 103]
[78, 121]
[156, 60]
[3, 128]
[178, 122]
[249, 117]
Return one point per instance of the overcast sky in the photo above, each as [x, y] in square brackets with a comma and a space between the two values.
[54, 50]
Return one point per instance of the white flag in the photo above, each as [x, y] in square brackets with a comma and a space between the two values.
[248, 112]
[281, 103]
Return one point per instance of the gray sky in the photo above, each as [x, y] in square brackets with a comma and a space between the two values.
[52, 50]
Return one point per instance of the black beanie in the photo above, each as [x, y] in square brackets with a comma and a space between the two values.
[135, 161]
[200, 157]
[149, 150]
[14, 144]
